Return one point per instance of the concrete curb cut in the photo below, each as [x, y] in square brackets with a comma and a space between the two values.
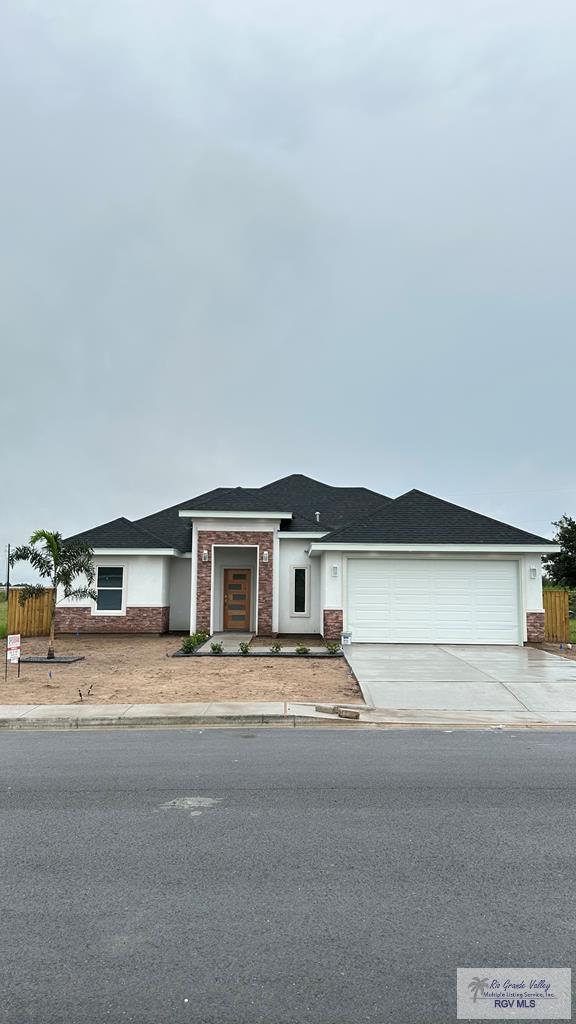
[467, 726]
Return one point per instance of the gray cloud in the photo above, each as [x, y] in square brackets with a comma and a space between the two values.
[245, 239]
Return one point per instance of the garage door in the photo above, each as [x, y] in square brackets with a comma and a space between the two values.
[406, 601]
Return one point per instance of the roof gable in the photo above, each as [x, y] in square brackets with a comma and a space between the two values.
[420, 518]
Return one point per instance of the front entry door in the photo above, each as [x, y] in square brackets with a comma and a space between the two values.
[237, 588]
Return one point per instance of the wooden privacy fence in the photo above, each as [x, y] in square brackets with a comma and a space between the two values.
[556, 616]
[32, 618]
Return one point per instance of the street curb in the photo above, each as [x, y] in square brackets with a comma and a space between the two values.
[471, 726]
[291, 721]
[285, 721]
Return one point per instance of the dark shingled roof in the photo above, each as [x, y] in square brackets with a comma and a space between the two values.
[120, 533]
[419, 518]
[168, 525]
[304, 496]
[235, 499]
[348, 515]
[296, 493]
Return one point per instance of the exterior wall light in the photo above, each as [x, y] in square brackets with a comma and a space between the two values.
[334, 570]
[204, 556]
[264, 556]
[533, 572]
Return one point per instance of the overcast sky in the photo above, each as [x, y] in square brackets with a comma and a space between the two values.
[241, 239]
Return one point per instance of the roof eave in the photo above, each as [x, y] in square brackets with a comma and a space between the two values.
[135, 551]
[231, 514]
[536, 549]
[300, 534]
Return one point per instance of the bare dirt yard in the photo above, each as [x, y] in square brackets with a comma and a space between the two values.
[563, 652]
[138, 670]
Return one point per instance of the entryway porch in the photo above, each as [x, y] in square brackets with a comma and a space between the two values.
[235, 591]
[230, 642]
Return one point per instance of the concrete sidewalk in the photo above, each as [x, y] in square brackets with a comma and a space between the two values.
[230, 642]
[278, 713]
[73, 716]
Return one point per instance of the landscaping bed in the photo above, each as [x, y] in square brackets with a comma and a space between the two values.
[288, 640]
[119, 670]
[260, 653]
[203, 645]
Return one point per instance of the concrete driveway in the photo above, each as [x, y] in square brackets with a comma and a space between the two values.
[425, 677]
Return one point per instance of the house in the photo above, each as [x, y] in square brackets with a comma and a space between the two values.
[300, 556]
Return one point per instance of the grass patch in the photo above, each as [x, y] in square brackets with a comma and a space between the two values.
[573, 631]
[3, 615]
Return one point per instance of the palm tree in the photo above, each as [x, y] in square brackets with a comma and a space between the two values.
[477, 986]
[59, 562]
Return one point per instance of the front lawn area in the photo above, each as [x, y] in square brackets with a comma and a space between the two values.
[139, 670]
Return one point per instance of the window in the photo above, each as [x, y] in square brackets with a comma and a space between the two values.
[299, 596]
[110, 582]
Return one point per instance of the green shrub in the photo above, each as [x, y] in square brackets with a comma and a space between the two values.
[216, 647]
[190, 643]
[301, 649]
[244, 647]
[333, 648]
[276, 648]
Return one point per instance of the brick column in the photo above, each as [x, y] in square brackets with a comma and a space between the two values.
[233, 538]
[535, 627]
[333, 623]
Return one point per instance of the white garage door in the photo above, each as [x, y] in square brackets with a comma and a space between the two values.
[423, 601]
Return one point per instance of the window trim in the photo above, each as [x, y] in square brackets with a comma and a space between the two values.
[118, 611]
[306, 613]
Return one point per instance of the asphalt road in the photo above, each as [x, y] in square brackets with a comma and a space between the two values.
[339, 876]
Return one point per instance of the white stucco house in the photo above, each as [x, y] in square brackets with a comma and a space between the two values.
[300, 556]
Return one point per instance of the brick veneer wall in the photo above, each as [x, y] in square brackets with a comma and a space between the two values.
[72, 619]
[535, 627]
[333, 623]
[206, 538]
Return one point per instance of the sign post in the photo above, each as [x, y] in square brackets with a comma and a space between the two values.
[7, 608]
[13, 649]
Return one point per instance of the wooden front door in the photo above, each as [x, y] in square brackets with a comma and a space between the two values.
[237, 588]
